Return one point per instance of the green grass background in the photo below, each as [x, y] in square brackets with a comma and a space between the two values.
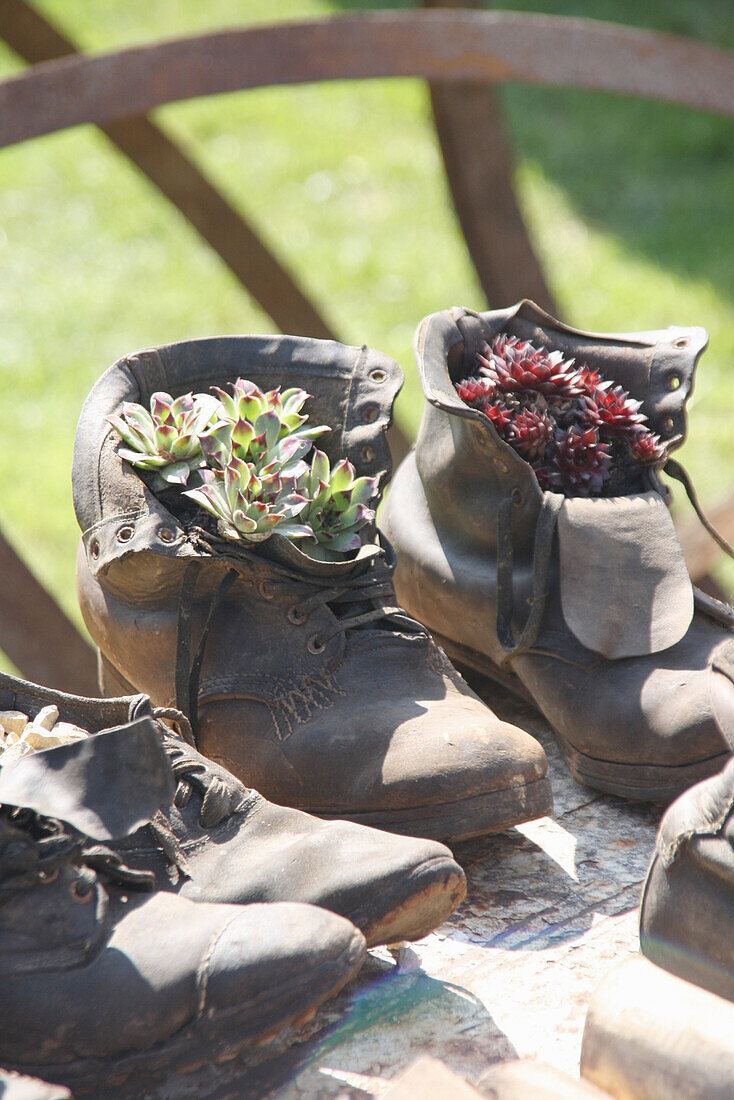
[630, 206]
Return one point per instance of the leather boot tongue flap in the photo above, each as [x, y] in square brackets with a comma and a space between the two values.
[106, 785]
[625, 589]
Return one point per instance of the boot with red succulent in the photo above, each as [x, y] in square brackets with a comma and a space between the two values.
[533, 538]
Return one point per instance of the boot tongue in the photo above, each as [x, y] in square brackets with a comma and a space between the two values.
[625, 589]
[105, 786]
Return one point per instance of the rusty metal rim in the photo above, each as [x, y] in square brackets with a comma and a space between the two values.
[437, 45]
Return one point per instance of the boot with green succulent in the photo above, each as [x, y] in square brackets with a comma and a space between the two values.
[257, 597]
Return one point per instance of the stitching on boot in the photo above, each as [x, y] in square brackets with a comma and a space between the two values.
[291, 701]
[202, 974]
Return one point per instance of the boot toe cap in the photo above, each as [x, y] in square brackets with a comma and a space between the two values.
[278, 959]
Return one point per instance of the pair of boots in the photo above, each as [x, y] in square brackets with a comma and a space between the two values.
[308, 681]
[105, 981]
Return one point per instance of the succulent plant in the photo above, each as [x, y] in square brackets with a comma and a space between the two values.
[646, 447]
[529, 433]
[582, 434]
[515, 366]
[165, 440]
[248, 448]
[337, 507]
[248, 506]
[611, 410]
[580, 462]
[267, 430]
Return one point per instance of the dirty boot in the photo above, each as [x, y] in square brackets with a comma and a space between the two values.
[102, 981]
[581, 604]
[301, 677]
[687, 910]
[219, 842]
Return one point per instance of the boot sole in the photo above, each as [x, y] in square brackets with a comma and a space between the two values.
[449, 822]
[424, 900]
[220, 1037]
[634, 782]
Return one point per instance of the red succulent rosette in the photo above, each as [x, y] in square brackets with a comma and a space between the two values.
[582, 434]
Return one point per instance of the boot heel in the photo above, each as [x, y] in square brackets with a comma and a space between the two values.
[111, 684]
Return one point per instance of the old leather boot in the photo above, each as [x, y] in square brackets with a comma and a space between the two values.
[582, 605]
[687, 910]
[101, 981]
[301, 677]
[219, 842]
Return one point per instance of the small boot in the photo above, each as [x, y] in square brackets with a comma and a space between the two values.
[687, 910]
[102, 981]
[219, 842]
[582, 605]
[301, 677]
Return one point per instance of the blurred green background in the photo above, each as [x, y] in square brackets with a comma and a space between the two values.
[630, 206]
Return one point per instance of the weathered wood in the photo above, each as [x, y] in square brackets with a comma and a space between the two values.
[479, 167]
[35, 633]
[167, 166]
[436, 45]
[652, 1035]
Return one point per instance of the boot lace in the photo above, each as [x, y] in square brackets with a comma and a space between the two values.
[52, 846]
[357, 600]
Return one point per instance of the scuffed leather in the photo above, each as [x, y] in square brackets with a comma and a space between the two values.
[625, 589]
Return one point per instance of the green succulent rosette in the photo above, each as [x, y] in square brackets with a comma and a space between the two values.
[166, 439]
[337, 507]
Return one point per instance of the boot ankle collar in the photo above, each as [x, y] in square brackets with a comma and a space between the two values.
[656, 367]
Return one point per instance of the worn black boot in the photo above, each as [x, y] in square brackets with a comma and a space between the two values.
[220, 842]
[102, 981]
[687, 910]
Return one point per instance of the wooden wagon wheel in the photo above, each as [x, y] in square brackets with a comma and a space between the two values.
[453, 50]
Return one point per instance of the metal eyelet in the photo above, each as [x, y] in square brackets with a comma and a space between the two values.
[265, 591]
[49, 876]
[668, 425]
[125, 533]
[166, 534]
[94, 548]
[80, 895]
[518, 498]
[368, 455]
[681, 342]
[370, 414]
[378, 375]
[296, 617]
[674, 381]
[315, 645]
